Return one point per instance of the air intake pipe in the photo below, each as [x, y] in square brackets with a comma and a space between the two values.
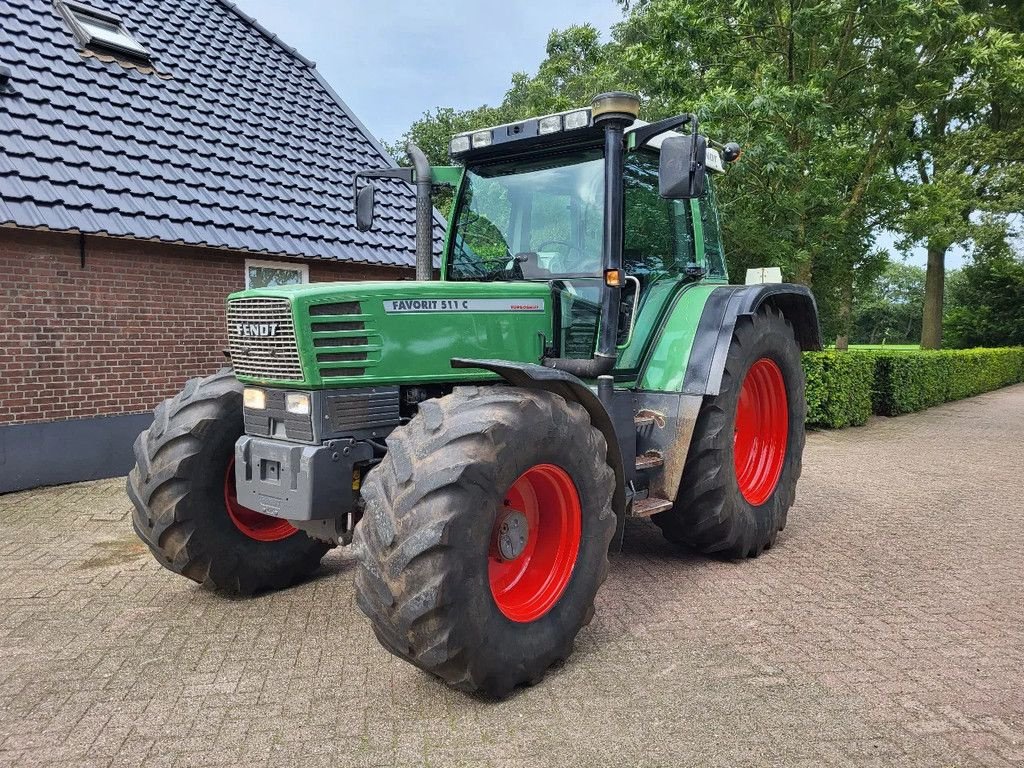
[424, 213]
[615, 111]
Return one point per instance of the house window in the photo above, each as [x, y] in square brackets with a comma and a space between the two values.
[102, 30]
[270, 274]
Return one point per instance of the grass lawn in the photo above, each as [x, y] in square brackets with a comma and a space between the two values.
[900, 347]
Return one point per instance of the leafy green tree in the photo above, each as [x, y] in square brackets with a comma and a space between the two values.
[960, 149]
[801, 87]
[887, 308]
[841, 106]
[985, 307]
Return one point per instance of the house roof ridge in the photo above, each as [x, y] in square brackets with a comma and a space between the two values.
[271, 36]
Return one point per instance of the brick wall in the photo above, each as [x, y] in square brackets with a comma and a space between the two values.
[124, 332]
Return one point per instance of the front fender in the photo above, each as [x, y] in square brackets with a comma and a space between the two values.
[572, 389]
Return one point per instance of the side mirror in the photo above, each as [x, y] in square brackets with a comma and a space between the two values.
[681, 170]
[364, 208]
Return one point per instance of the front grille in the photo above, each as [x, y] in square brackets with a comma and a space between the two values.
[261, 339]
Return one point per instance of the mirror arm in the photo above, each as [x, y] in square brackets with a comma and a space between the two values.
[693, 145]
[402, 174]
[647, 132]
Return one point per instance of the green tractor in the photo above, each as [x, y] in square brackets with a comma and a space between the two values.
[480, 439]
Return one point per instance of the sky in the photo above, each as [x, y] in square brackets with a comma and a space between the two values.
[393, 60]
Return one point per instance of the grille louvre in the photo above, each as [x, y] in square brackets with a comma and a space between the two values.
[348, 411]
[336, 327]
[271, 356]
[581, 331]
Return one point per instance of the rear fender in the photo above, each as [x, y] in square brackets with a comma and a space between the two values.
[572, 389]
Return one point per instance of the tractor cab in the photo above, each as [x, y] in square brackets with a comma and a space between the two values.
[541, 218]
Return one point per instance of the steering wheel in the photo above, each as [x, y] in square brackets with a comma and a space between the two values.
[569, 247]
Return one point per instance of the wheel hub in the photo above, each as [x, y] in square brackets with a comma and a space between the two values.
[513, 534]
[253, 524]
[535, 542]
[761, 431]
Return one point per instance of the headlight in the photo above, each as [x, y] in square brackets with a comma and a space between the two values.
[481, 139]
[549, 124]
[256, 399]
[297, 402]
[578, 119]
[459, 144]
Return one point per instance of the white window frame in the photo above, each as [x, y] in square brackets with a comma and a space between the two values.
[76, 13]
[302, 269]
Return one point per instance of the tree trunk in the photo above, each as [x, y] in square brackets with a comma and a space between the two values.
[845, 308]
[934, 286]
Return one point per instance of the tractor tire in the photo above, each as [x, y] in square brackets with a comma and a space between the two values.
[444, 575]
[745, 456]
[186, 510]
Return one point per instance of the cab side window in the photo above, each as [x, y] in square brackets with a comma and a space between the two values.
[714, 253]
[658, 236]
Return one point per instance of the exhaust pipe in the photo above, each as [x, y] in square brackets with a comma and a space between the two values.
[424, 213]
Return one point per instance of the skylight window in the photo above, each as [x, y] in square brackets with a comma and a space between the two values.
[99, 29]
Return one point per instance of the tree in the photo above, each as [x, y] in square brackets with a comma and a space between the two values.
[986, 301]
[839, 105]
[960, 149]
[800, 86]
[888, 308]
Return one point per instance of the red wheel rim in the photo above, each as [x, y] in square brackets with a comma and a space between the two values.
[762, 428]
[250, 522]
[527, 586]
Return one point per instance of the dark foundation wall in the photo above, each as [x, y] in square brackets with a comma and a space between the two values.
[69, 451]
[85, 348]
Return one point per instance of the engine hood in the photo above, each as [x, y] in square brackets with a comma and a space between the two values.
[396, 332]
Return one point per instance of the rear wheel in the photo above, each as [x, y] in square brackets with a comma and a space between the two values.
[186, 505]
[745, 457]
[485, 536]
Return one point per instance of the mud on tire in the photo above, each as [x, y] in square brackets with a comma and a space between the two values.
[431, 505]
[712, 513]
[178, 490]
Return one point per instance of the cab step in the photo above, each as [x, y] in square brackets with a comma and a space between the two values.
[649, 460]
[646, 417]
[650, 506]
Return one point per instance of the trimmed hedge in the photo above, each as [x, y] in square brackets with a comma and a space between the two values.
[844, 388]
[838, 388]
[911, 381]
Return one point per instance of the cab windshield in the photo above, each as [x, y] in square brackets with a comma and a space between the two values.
[536, 220]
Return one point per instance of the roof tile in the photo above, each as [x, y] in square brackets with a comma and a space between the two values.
[233, 142]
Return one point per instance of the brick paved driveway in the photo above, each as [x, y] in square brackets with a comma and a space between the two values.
[886, 629]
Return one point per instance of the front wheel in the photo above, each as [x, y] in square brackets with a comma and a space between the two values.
[740, 476]
[186, 507]
[485, 536]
